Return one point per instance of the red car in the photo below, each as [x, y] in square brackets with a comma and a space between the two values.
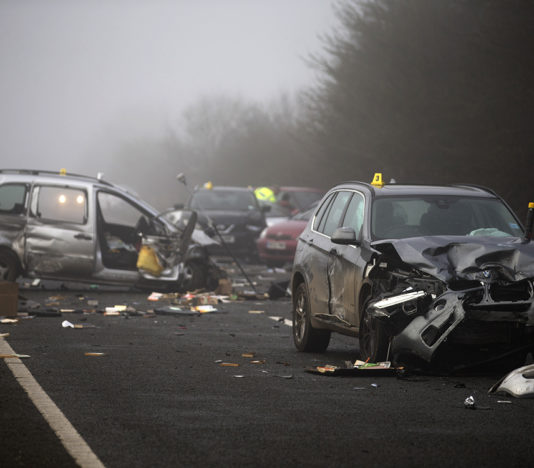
[277, 243]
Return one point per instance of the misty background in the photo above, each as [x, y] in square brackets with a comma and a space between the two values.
[294, 92]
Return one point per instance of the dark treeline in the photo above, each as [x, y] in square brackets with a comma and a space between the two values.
[437, 91]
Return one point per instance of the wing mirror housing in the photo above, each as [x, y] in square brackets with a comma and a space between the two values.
[345, 236]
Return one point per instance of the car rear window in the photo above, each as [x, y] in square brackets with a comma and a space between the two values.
[64, 204]
[13, 198]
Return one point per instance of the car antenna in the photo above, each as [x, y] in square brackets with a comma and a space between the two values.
[182, 179]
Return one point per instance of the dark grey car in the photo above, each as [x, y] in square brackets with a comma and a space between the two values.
[417, 272]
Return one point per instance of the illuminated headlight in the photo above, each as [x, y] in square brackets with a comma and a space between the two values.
[263, 234]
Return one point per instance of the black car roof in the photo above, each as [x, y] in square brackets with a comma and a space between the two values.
[389, 190]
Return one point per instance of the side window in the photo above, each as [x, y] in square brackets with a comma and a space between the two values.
[116, 210]
[354, 214]
[13, 198]
[62, 204]
[336, 212]
[322, 211]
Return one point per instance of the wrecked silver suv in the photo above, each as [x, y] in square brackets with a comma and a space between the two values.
[421, 274]
[78, 228]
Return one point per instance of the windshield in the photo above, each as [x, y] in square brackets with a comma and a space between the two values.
[303, 199]
[402, 217]
[223, 200]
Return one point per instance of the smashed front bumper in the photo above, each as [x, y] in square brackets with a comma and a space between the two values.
[419, 322]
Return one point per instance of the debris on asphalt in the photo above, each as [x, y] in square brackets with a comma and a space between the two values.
[205, 309]
[92, 354]
[174, 310]
[229, 364]
[67, 324]
[9, 320]
[4, 335]
[247, 355]
[519, 383]
[14, 355]
[224, 288]
[359, 368]
[256, 312]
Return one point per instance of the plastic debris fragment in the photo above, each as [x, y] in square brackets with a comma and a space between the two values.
[470, 403]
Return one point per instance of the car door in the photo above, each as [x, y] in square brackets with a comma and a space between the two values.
[59, 236]
[321, 245]
[345, 265]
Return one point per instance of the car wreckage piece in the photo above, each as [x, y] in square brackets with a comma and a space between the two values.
[453, 291]
[518, 383]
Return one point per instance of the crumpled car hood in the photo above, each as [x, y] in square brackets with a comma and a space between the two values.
[456, 257]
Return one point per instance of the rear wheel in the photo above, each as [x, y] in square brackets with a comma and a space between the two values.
[306, 337]
[9, 266]
[374, 341]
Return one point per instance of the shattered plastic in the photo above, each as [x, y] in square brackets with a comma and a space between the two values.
[518, 383]
[450, 281]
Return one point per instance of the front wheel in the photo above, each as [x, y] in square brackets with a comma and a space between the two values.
[374, 341]
[194, 276]
[306, 337]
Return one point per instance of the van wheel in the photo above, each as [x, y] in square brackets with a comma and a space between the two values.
[306, 337]
[9, 266]
[374, 341]
[195, 276]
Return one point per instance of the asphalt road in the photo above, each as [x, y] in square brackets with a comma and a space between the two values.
[159, 395]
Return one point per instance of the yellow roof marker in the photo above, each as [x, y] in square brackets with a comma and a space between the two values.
[377, 180]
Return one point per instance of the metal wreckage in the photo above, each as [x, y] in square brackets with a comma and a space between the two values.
[474, 297]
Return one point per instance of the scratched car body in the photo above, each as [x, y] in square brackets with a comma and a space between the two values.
[422, 274]
[77, 228]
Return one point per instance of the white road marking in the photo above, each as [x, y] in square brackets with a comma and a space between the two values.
[287, 322]
[68, 435]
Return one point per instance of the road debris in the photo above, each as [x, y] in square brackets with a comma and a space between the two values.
[519, 383]
[9, 320]
[8, 356]
[359, 368]
[92, 354]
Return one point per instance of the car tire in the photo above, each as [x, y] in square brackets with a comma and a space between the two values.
[305, 337]
[374, 342]
[9, 266]
[195, 276]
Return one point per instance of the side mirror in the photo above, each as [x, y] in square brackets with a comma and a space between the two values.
[345, 236]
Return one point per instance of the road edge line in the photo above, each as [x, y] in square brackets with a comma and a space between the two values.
[66, 432]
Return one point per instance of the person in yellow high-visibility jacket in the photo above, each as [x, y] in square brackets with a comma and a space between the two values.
[265, 194]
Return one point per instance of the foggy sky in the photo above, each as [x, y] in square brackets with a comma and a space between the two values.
[77, 76]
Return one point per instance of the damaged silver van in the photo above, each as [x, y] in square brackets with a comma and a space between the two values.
[420, 273]
[77, 228]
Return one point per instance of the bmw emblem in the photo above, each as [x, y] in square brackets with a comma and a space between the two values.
[486, 273]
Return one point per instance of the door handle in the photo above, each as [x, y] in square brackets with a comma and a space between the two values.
[82, 236]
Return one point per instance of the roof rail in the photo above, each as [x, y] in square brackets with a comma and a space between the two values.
[53, 173]
[480, 187]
